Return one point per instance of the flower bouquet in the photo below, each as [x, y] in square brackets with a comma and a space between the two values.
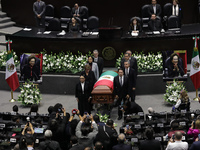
[3, 57]
[29, 94]
[173, 91]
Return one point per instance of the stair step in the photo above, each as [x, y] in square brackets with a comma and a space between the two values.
[3, 14]
[5, 19]
[2, 47]
[2, 40]
[7, 24]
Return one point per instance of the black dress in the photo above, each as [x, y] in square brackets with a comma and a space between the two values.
[31, 73]
[75, 28]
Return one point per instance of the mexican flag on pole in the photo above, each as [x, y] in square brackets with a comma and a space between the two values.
[107, 79]
[11, 74]
[195, 69]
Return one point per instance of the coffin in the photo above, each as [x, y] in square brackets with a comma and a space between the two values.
[103, 89]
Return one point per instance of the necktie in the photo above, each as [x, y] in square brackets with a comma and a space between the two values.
[175, 10]
[121, 81]
[38, 4]
[126, 72]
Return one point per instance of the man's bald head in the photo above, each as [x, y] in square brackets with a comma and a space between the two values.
[121, 138]
[178, 135]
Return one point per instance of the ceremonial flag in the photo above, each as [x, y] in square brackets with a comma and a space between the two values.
[11, 74]
[107, 79]
[195, 69]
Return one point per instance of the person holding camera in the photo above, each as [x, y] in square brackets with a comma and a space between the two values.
[28, 129]
[177, 143]
[86, 131]
[194, 130]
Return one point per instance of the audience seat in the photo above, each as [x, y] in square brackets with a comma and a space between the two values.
[49, 14]
[145, 16]
[84, 17]
[173, 23]
[93, 24]
[65, 17]
[54, 25]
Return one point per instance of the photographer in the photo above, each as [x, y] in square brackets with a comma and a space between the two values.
[28, 129]
[194, 130]
[86, 131]
[57, 126]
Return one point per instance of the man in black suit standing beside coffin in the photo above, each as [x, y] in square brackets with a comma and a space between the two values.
[154, 8]
[120, 86]
[130, 73]
[132, 60]
[39, 8]
[82, 95]
[99, 61]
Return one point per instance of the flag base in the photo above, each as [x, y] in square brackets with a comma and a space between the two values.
[196, 99]
[12, 100]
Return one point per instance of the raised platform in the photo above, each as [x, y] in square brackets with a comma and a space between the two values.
[65, 84]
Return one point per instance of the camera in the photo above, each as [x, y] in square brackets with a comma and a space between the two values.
[74, 111]
[28, 119]
[60, 110]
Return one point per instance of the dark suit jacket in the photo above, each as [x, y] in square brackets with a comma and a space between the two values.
[75, 28]
[195, 146]
[131, 79]
[134, 108]
[77, 147]
[155, 25]
[122, 147]
[158, 10]
[81, 12]
[79, 92]
[133, 64]
[26, 72]
[90, 78]
[102, 137]
[150, 145]
[180, 14]
[39, 10]
[119, 90]
[51, 144]
[138, 28]
[100, 64]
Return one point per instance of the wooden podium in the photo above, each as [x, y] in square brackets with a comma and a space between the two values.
[102, 95]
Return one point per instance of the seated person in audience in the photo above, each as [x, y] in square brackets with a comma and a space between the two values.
[31, 71]
[150, 143]
[15, 109]
[183, 102]
[21, 144]
[86, 131]
[194, 130]
[74, 143]
[151, 110]
[34, 110]
[155, 8]
[135, 26]
[98, 146]
[176, 143]
[74, 26]
[97, 120]
[50, 110]
[48, 143]
[94, 67]
[195, 145]
[176, 10]
[154, 24]
[121, 146]
[28, 129]
[174, 128]
[174, 68]
[77, 12]
[30, 143]
[107, 135]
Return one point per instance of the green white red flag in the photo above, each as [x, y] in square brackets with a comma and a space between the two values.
[11, 73]
[195, 69]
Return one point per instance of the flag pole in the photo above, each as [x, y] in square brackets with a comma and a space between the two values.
[196, 98]
[12, 99]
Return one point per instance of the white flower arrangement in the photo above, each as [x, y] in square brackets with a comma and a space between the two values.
[64, 62]
[173, 91]
[29, 94]
[3, 59]
[146, 63]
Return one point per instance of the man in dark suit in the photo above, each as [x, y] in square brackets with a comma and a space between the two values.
[83, 95]
[121, 145]
[77, 11]
[154, 24]
[74, 143]
[120, 86]
[150, 143]
[154, 8]
[195, 146]
[132, 60]
[48, 143]
[39, 8]
[130, 73]
[99, 61]
[107, 135]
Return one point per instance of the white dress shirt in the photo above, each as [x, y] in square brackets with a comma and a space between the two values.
[121, 80]
[82, 85]
[177, 145]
